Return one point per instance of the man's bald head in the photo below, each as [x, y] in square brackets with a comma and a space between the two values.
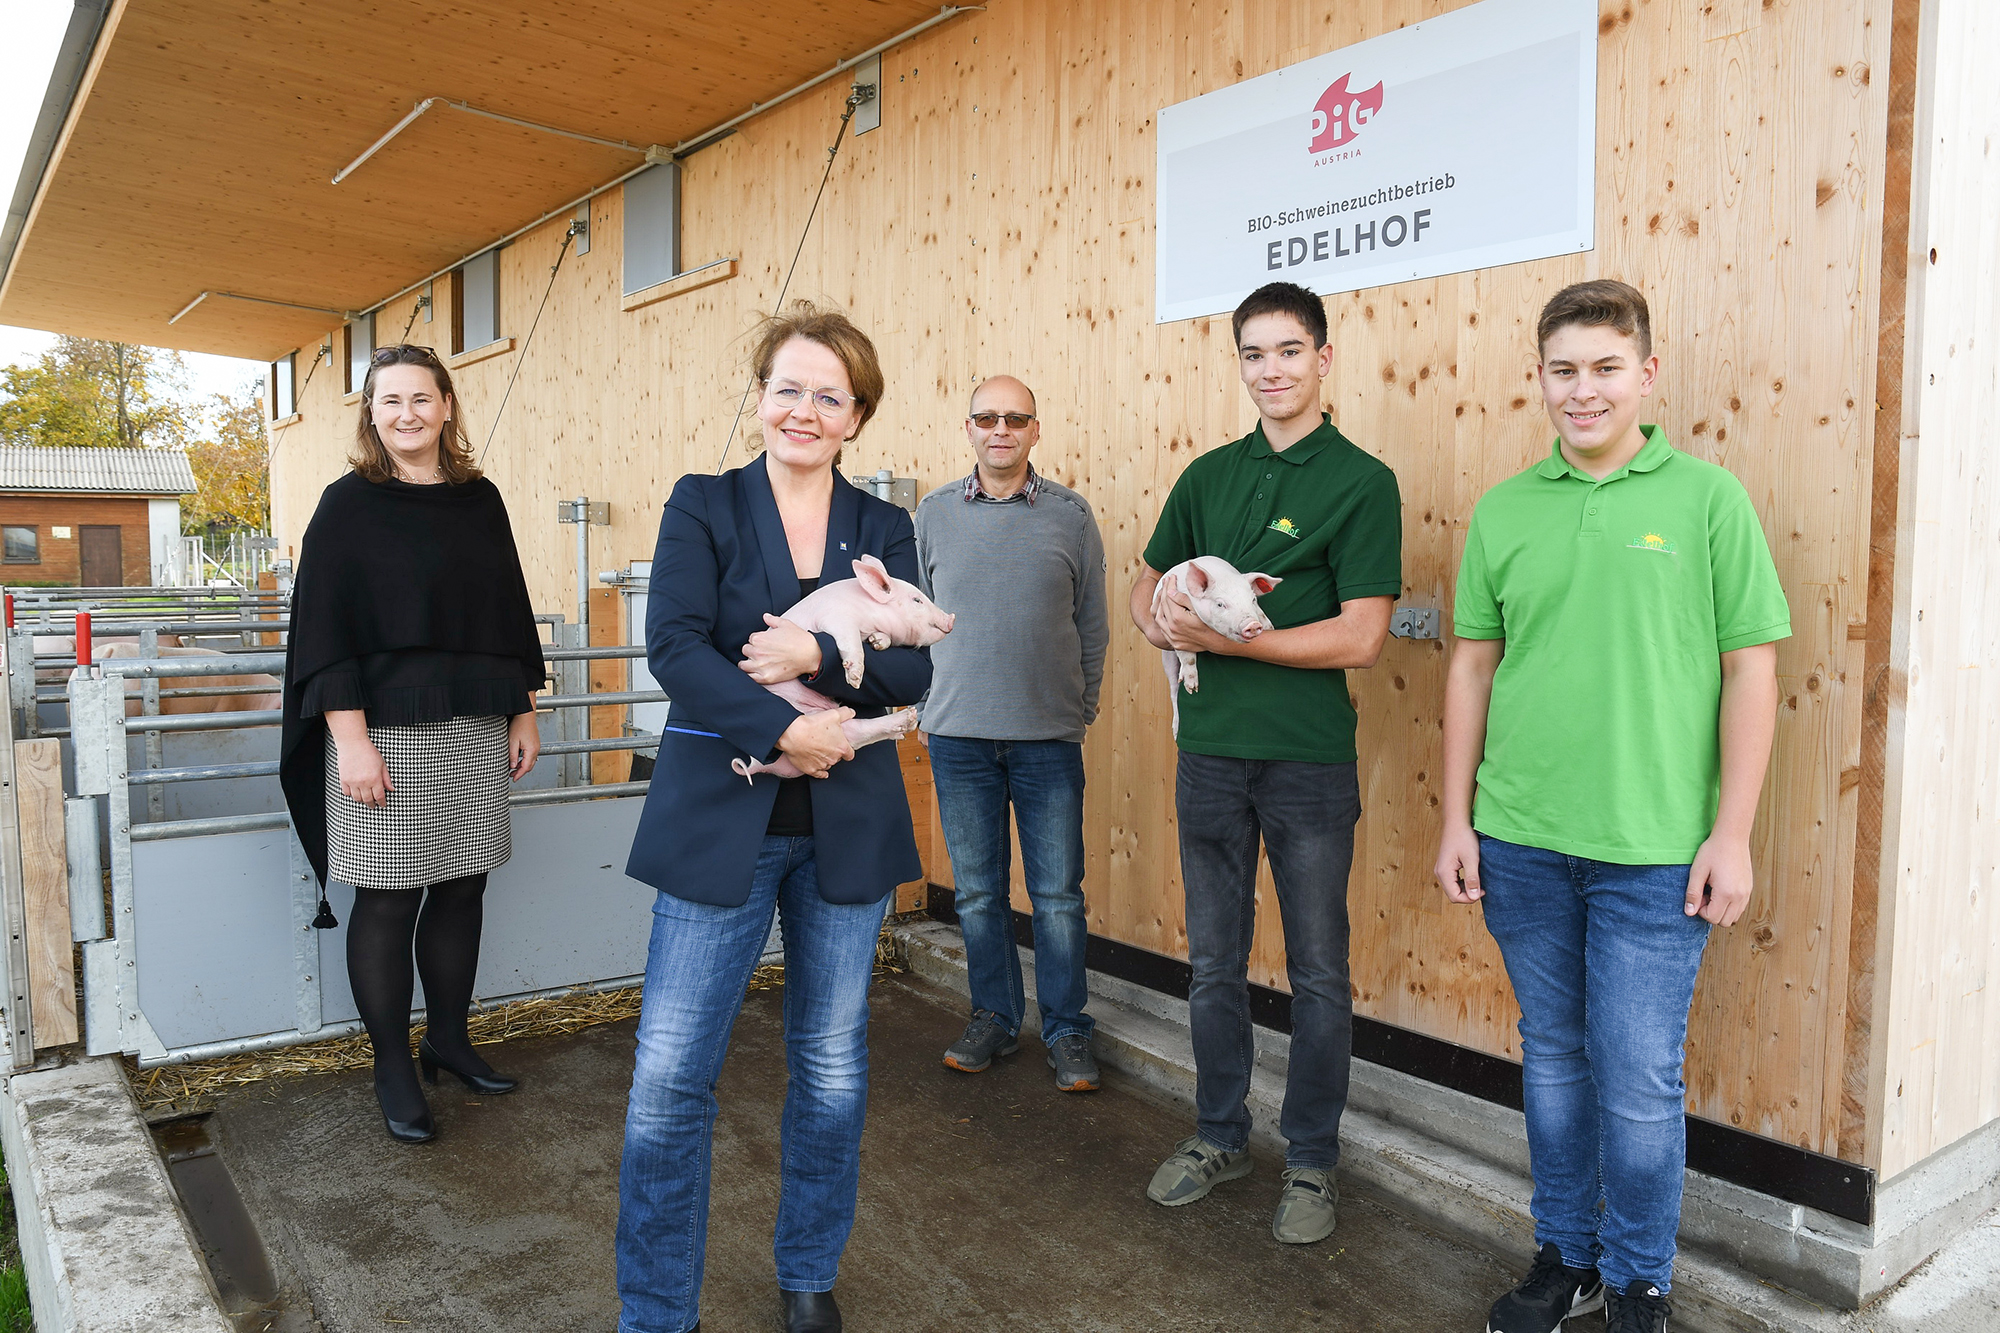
[1002, 393]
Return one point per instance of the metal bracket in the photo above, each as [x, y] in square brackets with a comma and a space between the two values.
[1414, 622]
[89, 719]
[600, 512]
[86, 869]
[886, 485]
[21, 680]
[305, 940]
[867, 95]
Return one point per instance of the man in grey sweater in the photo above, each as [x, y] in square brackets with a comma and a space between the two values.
[1020, 562]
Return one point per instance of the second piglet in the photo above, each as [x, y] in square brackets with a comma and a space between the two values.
[1224, 598]
[876, 608]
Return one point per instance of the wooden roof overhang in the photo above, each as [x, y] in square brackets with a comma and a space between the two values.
[199, 150]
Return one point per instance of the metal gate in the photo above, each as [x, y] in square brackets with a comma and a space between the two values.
[189, 893]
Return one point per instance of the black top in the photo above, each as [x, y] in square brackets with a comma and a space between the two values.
[792, 815]
[409, 686]
[386, 568]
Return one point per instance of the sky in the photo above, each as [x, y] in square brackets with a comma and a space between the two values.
[30, 33]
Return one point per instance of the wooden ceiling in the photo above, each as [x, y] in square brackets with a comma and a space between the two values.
[200, 151]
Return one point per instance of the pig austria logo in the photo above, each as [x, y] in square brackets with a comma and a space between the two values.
[1340, 115]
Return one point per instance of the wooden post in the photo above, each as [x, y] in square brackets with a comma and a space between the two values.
[607, 630]
[916, 761]
[45, 892]
[268, 582]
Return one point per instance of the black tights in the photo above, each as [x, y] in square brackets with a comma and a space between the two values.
[442, 923]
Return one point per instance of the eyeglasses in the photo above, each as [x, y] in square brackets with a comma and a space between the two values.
[388, 356]
[1014, 420]
[827, 402]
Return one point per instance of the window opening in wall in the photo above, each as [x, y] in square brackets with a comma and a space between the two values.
[284, 386]
[652, 226]
[23, 545]
[475, 302]
[360, 346]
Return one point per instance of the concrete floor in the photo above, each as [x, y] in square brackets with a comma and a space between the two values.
[987, 1203]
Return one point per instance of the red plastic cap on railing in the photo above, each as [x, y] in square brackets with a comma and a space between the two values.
[83, 653]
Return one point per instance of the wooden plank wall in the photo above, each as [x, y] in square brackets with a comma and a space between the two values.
[1001, 220]
[1942, 1081]
[45, 893]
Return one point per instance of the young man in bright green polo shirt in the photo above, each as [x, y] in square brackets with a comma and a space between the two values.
[1267, 746]
[1612, 697]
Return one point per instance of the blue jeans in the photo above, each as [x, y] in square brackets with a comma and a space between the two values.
[1305, 815]
[697, 968]
[1603, 960]
[976, 779]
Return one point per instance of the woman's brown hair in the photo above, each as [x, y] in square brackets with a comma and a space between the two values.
[371, 458]
[833, 331]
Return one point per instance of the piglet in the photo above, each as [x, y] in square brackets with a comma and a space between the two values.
[872, 607]
[1224, 599]
[875, 608]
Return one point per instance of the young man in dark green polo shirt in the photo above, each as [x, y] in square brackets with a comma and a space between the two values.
[1267, 746]
[1611, 698]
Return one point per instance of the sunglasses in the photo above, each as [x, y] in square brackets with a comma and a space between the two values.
[1014, 420]
[388, 356]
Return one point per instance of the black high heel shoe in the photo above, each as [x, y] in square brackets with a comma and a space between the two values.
[420, 1128]
[488, 1085]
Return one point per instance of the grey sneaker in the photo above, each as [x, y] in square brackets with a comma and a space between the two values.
[1305, 1206]
[1196, 1167]
[1076, 1068]
[984, 1037]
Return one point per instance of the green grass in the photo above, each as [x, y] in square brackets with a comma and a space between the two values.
[15, 1316]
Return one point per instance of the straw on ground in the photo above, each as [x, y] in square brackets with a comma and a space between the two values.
[170, 1090]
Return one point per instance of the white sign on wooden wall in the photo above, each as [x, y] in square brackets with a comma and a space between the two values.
[1457, 143]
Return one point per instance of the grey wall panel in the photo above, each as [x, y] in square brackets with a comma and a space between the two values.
[212, 930]
[560, 913]
[213, 927]
[336, 998]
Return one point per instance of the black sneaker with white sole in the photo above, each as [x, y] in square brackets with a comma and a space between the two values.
[984, 1037]
[1640, 1308]
[1550, 1293]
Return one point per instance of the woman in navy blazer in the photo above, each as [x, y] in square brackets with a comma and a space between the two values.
[824, 851]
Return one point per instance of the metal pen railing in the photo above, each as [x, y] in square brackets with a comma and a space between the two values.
[134, 786]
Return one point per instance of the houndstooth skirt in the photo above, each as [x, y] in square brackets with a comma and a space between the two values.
[446, 818]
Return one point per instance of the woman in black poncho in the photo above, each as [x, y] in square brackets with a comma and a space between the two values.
[410, 680]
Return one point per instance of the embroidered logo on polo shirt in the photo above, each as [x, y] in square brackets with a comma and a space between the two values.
[1652, 541]
[1286, 526]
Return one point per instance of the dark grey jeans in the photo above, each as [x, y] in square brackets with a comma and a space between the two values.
[1305, 815]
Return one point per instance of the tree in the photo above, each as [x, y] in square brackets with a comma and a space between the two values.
[231, 466]
[86, 392]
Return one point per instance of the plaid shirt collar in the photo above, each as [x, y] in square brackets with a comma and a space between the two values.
[974, 491]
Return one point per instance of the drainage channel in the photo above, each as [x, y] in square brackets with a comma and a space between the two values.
[237, 1261]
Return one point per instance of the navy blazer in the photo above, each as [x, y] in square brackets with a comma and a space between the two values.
[721, 563]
